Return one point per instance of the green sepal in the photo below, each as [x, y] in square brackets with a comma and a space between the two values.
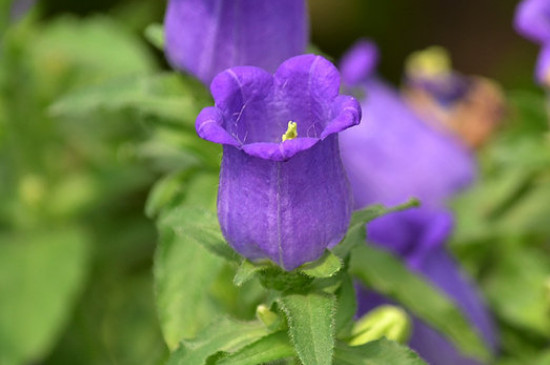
[327, 266]
[246, 271]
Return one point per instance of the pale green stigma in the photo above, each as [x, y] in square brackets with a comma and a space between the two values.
[291, 131]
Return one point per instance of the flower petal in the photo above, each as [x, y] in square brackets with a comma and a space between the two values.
[359, 63]
[532, 20]
[542, 71]
[204, 37]
[305, 89]
[392, 155]
[288, 211]
[209, 125]
[242, 95]
[347, 113]
[279, 151]
[412, 234]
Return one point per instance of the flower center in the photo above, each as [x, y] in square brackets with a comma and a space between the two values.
[291, 131]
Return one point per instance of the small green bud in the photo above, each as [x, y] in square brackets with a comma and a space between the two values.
[267, 316]
[386, 321]
[291, 131]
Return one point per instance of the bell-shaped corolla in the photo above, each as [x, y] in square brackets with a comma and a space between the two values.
[283, 192]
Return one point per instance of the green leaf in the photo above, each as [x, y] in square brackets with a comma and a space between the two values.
[325, 267]
[169, 97]
[517, 288]
[199, 226]
[383, 272]
[380, 352]
[357, 232]
[311, 326]
[187, 187]
[273, 347]
[225, 334]
[202, 191]
[163, 192]
[84, 49]
[183, 270]
[347, 306]
[41, 275]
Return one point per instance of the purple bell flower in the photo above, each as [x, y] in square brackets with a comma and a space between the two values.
[283, 191]
[393, 156]
[398, 156]
[204, 37]
[532, 20]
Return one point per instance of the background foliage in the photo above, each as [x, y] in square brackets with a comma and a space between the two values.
[92, 119]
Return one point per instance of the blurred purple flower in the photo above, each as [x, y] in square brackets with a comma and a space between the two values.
[390, 158]
[204, 37]
[19, 8]
[542, 70]
[359, 62]
[285, 200]
[532, 20]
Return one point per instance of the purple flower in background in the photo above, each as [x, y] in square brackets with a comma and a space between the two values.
[469, 107]
[532, 20]
[283, 191]
[542, 70]
[204, 37]
[20, 7]
[393, 156]
[358, 62]
[398, 156]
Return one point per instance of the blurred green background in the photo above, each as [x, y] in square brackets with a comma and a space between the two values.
[91, 117]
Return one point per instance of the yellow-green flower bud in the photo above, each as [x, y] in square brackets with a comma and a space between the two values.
[386, 321]
[267, 316]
